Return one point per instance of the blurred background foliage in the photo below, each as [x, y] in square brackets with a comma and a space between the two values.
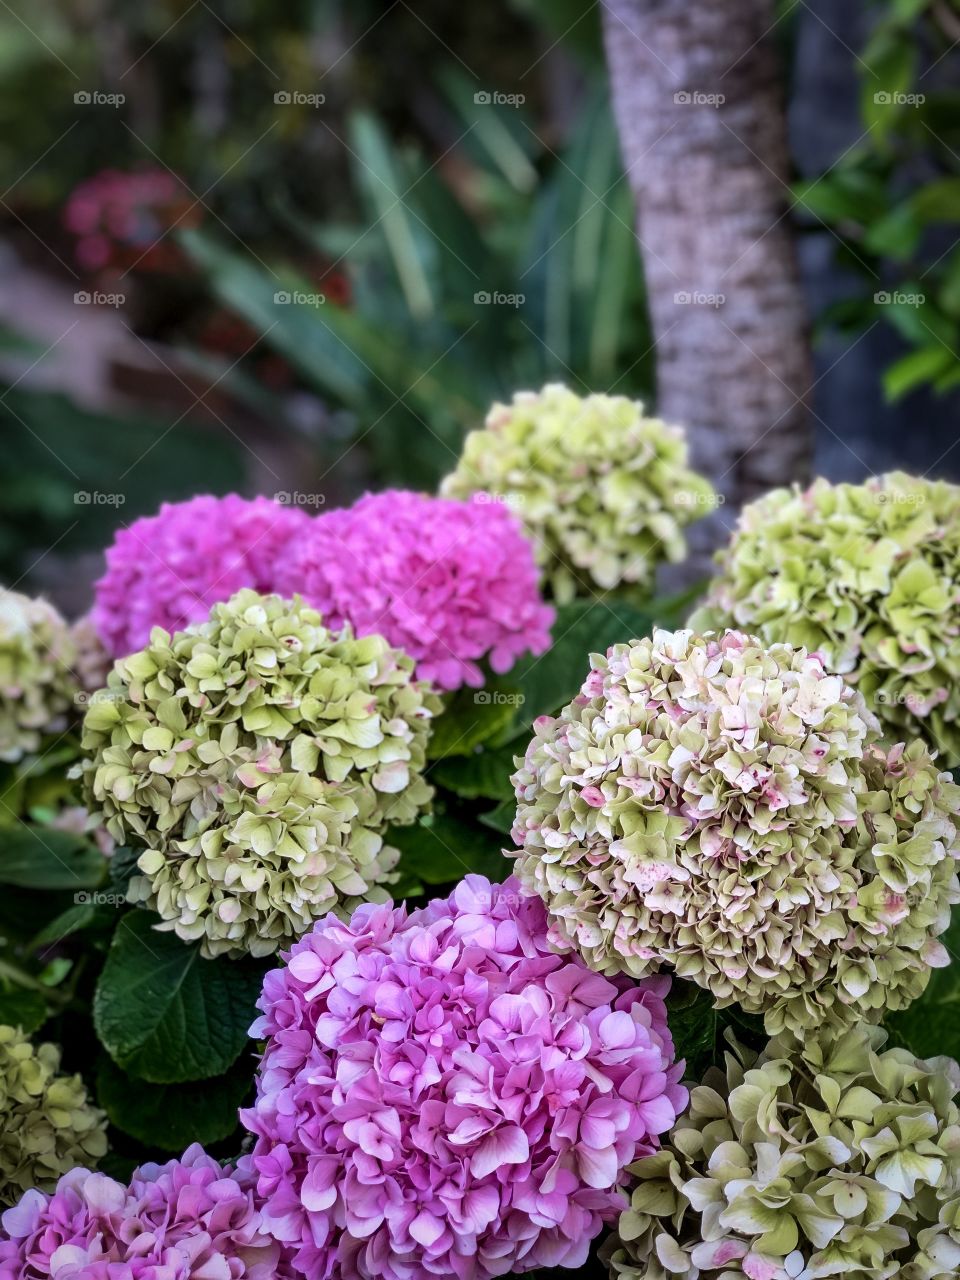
[304, 282]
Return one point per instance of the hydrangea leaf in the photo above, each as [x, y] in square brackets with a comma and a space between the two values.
[172, 1116]
[166, 1014]
[41, 858]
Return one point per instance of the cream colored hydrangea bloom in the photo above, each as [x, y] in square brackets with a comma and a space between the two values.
[836, 1158]
[259, 758]
[604, 490]
[869, 575]
[37, 685]
[724, 809]
[47, 1126]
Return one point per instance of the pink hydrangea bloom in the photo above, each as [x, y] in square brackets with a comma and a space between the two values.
[167, 570]
[447, 581]
[443, 1095]
[189, 1219]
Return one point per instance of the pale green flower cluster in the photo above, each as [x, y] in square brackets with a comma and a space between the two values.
[47, 1126]
[604, 491]
[722, 808]
[37, 685]
[259, 758]
[867, 574]
[834, 1158]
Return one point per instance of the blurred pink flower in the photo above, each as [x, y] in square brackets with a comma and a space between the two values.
[167, 570]
[443, 1095]
[449, 582]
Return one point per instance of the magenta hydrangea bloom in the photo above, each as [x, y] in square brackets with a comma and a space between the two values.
[189, 1219]
[444, 1095]
[167, 570]
[449, 582]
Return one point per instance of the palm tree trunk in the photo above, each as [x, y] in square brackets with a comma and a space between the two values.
[698, 104]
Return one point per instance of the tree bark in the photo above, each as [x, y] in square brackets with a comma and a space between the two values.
[697, 99]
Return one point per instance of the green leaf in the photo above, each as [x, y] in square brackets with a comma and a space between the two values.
[166, 1014]
[501, 818]
[174, 1116]
[475, 716]
[441, 849]
[24, 1009]
[915, 368]
[80, 916]
[931, 1025]
[938, 201]
[42, 858]
[582, 627]
[483, 774]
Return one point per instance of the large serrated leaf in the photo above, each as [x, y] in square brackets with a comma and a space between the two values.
[441, 849]
[34, 857]
[174, 1116]
[166, 1014]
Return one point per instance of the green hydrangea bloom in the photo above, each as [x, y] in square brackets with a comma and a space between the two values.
[258, 757]
[47, 1126]
[725, 809]
[37, 684]
[869, 575]
[831, 1158]
[604, 491]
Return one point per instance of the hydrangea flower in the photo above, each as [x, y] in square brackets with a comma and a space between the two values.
[604, 490]
[258, 757]
[37, 684]
[47, 1126]
[833, 1157]
[869, 575]
[167, 570]
[443, 1095]
[92, 663]
[448, 582]
[188, 1219]
[724, 808]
